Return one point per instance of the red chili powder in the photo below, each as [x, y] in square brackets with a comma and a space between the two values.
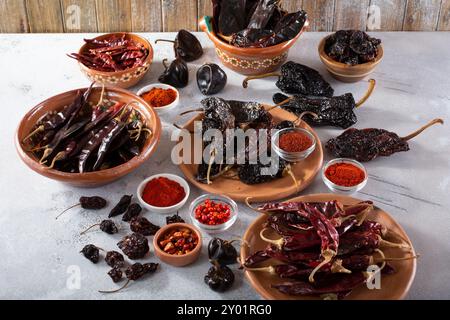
[158, 97]
[295, 141]
[162, 192]
[345, 174]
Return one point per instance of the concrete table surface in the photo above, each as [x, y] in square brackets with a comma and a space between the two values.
[40, 256]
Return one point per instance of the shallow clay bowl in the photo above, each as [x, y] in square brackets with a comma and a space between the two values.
[393, 287]
[177, 261]
[89, 179]
[121, 79]
[304, 171]
[249, 61]
[347, 73]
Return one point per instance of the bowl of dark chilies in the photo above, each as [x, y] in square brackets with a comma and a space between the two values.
[253, 37]
[115, 59]
[88, 137]
[350, 55]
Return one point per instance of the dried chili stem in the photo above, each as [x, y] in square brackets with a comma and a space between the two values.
[327, 255]
[425, 127]
[90, 228]
[392, 244]
[164, 40]
[74, 206]
[211, 161]
[271, 270]
[266, 75]
[301, 116]
[34, 132]
[57, 158]
[369, 92]
[292, 175]
[282, 103]
[279, 243]
[247, 202]
[117, 290]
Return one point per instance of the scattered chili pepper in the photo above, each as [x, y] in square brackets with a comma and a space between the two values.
[115, 259]
[133, 211]
[116, 274]
[158, 97]
[121, 207]
[345, 174]
[143, 226]
[163, 192]
[211, 79]
[176, 74]
[136, 272]
[179, 241]
[135, 246]
[88, 203]
[107, 226]
[213, 213]
[174, 219]
[219, 278]
[222, 251]
[295, 141]
[92, 253]
[186, 46]
[367, 144]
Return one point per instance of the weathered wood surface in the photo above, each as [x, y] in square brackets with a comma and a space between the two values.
[20, 16]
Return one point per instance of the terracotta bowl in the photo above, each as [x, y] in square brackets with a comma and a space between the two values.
[249, 61]
[89, 179]
[121, 79]
[177, 261]
[347, 73]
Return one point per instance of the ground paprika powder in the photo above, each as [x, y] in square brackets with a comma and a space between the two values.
[162, 192]
[295, 141]
[345, 174]
[158, 97]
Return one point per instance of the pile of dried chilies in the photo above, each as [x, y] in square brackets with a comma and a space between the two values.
[325, 249]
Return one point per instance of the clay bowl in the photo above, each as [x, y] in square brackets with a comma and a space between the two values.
[249, 61]
[89, 179]
[393, 287]
[177, 261]
[347, 73]
[304, 171]
[121, 79]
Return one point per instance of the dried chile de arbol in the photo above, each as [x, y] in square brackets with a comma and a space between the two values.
[296, 78]
[133, 211]
[211, 79]
[367, 144]
[222, 251]
[107, 226]
[135, 246]
[92, 253]
[121, 207]
[143, 226]
[219, 278]
[176, 74]
[114, 259]
[134, 273]
[88, 203]
[186, 46]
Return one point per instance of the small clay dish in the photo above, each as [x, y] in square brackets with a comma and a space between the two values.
[121, 79]
[175, 260]
[347, 73]
[164, 109]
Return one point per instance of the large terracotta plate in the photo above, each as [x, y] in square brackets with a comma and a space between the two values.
[393, 287]
[304, 171]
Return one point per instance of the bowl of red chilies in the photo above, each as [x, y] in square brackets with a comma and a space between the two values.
[115, 59]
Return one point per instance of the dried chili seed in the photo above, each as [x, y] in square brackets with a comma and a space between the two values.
[107, 226]
[135, 246]
[115, 259]
[91, 252]
[133, 211]
[136, 272]
[174, 219]
[88, 203]
[143, 226]
[121, 207]
[116, 274]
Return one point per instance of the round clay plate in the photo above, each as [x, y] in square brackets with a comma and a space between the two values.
[304, 171]
[393, 287]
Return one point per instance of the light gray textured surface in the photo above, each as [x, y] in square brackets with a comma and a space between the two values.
[36, 251]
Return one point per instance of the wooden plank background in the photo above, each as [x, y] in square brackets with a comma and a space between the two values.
[22, 16]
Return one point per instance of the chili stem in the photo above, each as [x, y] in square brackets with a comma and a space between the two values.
[282, 103]
[392, 244]
[269, 269]
[292, 175]
[327, 255]
[117, 290]
[279, 243]
[247, 202]
[369, 92]
[58, 157]
[74, 206]
[301, 116]
[100, 101]
[36, 131]
[164, 40]
[425, 127]
[85, 231]
[266, 75]
[211, 162]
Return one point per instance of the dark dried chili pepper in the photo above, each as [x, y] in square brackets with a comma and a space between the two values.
[115, 259]
[252, 38]
[229, 16]
[174, 219]
[142, 226]
[107, 226]
[135, 246]
[116, 274]
[211, 79]
[136, 272]
[133, 211]
[222, 251]
[92, 253]
[368, 144]
[219, 278]
[176, 74]
[262, 14]
[88, 203]
[121, 207]
[186, 46]
[296, 78]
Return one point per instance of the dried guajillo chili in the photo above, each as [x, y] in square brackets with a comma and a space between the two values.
[186, 46]
[367, 144]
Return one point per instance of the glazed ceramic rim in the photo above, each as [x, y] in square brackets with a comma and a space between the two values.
[166, 229]
[169, 176]
[218, 198]
[293, 156]
[334, 187]
[166, 108]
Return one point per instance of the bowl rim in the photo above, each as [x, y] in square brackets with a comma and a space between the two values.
[342, 188]
[328, 60]
[133, 163]
[166, 228]
[283, 153]
[143, 40]
[169, 176]
[149, 87]
[221, 198]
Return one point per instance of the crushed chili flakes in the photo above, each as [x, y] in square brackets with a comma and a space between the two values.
[295, 141]
[179, 241]
[345, 174]
[213, 213]
[158, 97]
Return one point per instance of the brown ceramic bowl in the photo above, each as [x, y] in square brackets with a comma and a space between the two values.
[177, 261]
[121, 79]
[89, 179]
[347, 73]
[249, 61]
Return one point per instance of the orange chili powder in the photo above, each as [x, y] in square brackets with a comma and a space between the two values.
[345, 174]
[158, 97]
[295, 141]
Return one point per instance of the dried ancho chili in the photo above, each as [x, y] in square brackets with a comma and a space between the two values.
[121, 207]
[133, 211]
[186, 46]
[296, 78]
[352, 47]
[367, 144]
[345, 174]
[143, 226]
[158, 97]
[88, 203]
[211, 79]
[219, 278]
[176, 74]
[107, 226]
[135, 246]
[174, 219]
[162, 192]
[115, 259]
[136, 272]
[222, 251]
[92, 253]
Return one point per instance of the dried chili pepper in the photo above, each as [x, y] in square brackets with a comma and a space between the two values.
[115, 259]
[88, 203]
[121, 207]
[133, 211]
[262, 14]
[174, 219]
[136, 272]
[222, 251]
[135, 246]
[143, 226]
[368, 144]
[107, 226]
[92, 253]
[186, 46]
[176, 74]
[116, 274]
[229, 16]
[219, 278]
[211, 79]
